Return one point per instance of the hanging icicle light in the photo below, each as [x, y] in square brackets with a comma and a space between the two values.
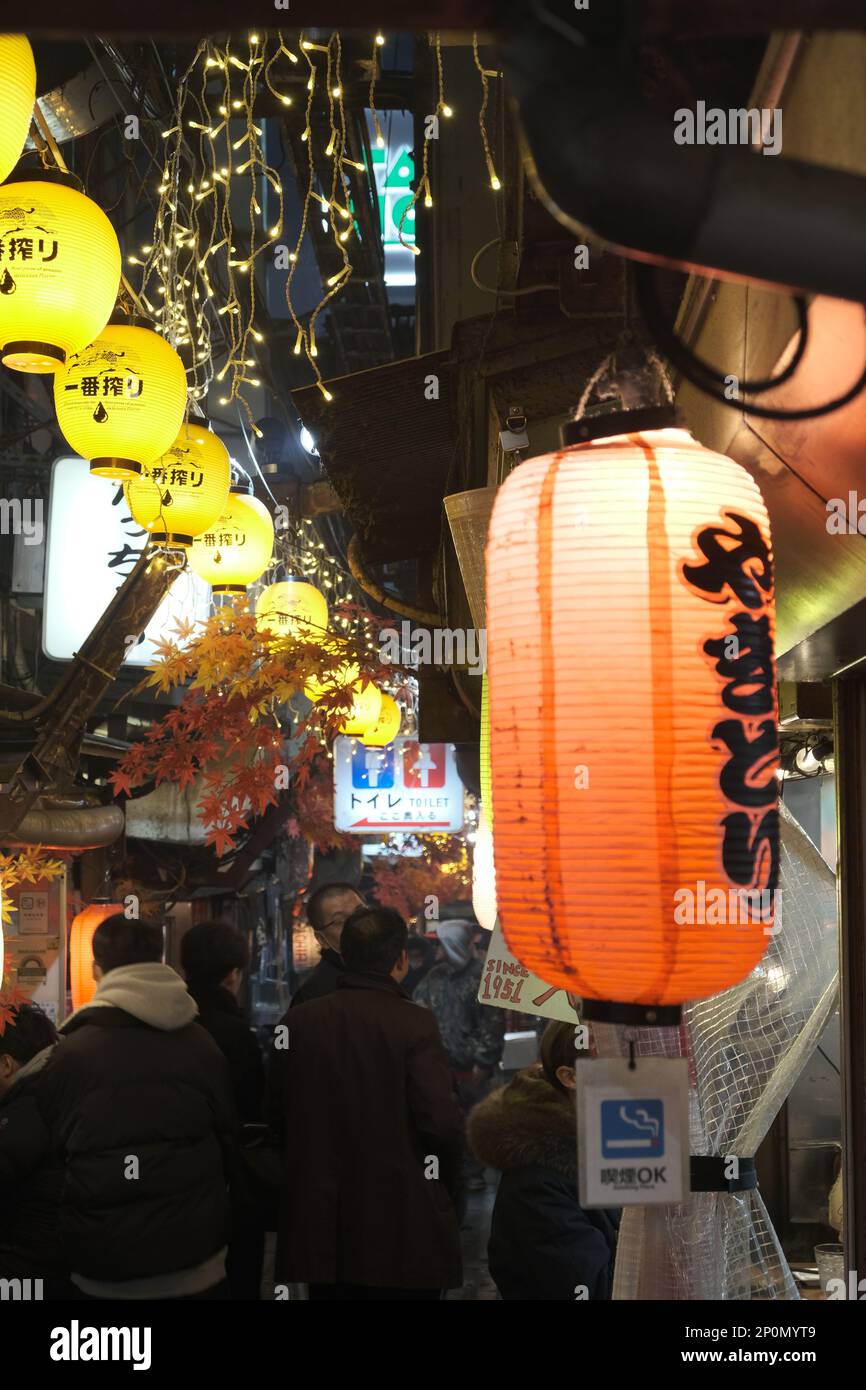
[387, 726]
[17, 98]
[237, 549]
[633, 716]
[365, 711]
[81, 948]
[184, 491]
[292, 608]
[59, 271]
[120, 401]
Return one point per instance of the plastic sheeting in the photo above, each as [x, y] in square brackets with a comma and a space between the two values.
[746, 1048]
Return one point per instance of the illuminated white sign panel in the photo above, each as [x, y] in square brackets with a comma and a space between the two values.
[408, 785]
[92, 545]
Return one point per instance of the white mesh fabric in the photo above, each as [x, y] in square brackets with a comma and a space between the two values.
[746, 1048]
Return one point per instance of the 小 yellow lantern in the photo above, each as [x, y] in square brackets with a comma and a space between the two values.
[387, 726]
[184, 491]
[17, 98]
[59, 272]
[293, 608]
[120, 401]
[337, 676]
[236, 550]
[365, 711]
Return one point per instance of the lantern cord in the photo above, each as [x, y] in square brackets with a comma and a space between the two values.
[491, 289]
[632, 1064]
[708, 380]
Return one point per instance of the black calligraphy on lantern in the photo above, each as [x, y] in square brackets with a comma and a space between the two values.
[738, 564]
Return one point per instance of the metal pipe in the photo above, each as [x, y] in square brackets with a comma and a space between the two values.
[91, 827]
[607, 166]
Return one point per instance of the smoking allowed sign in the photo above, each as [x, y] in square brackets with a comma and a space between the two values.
[632, 1131]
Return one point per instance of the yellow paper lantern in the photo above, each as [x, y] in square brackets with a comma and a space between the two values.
[17, 98]
[185, 491]
[366, 707]
[338, 676]
[387, 726]
[293, 608]
[121, 400]
[236, 550]
[59, 272]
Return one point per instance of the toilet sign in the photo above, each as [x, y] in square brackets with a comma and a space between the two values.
[407, 785]
[633, 1131]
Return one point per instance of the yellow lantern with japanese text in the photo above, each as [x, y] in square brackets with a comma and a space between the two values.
[184, 491]
[59, 272]
[366, 707]
[17, 98]
[292, 608]
[120, 401]
[387, 726]
[236, 550]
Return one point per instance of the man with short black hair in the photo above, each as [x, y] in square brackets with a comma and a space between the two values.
[31, 1175]
[327, 909]
[139, 1101]
[363, 1099]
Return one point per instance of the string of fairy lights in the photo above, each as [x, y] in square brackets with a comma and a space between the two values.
[198, 271]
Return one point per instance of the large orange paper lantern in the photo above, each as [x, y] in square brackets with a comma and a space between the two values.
[633, 716]
[81, 949]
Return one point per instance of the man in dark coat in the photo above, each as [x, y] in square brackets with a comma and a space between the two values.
[214, 956]
[327, 910]
[139, 1101]
[31, 1175]
[543, 1244]
[363, 1097]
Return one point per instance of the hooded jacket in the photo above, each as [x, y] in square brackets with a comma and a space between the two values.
[543, 1244]
[139, 1102]
[31, 1177]
[473, 1033]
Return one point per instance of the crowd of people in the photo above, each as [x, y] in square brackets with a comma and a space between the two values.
[148, 1147]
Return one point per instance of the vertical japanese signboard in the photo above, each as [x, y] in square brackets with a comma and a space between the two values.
[93, 543]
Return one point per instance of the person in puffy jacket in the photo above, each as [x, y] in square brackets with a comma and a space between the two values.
[138, 1098]
[543, 1244]
[31, 1175]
